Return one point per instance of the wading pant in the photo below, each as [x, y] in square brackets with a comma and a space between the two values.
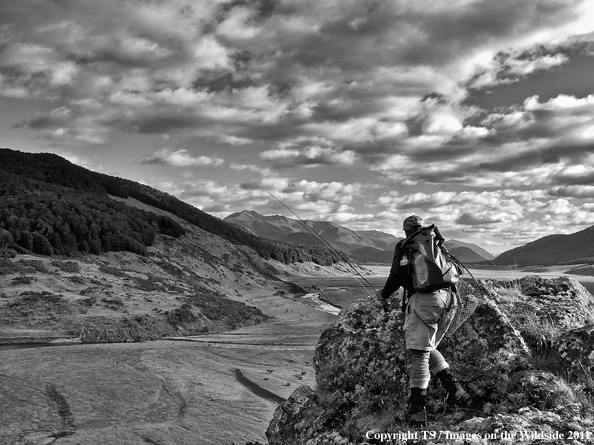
[422, 333]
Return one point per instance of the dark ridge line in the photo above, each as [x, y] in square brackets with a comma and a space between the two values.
[257, 389]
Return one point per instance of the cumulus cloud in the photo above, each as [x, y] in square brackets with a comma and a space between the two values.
[252, 168]
[68, 127]
[379, 88]
[500, 214]
[475, 220]
[575, 191]
[310, 156]
[327, 62]
[182, 158]
[524, 67]
[310, 199]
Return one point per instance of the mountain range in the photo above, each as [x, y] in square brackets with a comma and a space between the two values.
[369, 246]
[53, 207]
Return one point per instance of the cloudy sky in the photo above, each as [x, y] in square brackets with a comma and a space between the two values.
[475, 114]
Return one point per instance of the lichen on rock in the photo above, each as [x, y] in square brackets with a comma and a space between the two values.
[298, 418]
[576, 349]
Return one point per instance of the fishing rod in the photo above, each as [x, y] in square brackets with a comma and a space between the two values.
[331, 248]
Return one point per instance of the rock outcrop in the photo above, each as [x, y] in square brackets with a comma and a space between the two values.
[563, 302]
[576, 349]
[362, 381]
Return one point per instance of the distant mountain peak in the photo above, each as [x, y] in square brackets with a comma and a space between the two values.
[282, 228]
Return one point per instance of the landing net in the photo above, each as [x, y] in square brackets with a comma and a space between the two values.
[462, 305]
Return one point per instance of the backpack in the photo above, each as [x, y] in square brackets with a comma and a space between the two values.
[429, 265]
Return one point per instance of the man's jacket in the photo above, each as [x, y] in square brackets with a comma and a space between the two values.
[399, 275]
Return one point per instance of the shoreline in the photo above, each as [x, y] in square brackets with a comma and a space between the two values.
[323, 305]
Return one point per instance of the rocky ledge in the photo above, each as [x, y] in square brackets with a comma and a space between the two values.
[524, 390]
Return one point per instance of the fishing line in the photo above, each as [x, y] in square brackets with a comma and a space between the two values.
[331, 248]
[461, 265]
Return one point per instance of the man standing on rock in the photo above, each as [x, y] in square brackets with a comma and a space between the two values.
[424, 312]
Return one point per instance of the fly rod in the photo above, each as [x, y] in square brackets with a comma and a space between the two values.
[326, 243]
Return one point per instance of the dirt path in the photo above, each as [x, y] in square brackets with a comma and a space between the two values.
[211, 389]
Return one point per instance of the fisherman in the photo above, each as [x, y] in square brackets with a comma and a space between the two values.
[422, 333]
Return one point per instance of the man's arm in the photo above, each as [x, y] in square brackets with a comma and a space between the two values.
[394, 280]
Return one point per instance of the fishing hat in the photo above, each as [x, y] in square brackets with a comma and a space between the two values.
[413, 222]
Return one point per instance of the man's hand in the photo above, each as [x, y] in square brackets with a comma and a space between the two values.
[384, 301]
[378, 294]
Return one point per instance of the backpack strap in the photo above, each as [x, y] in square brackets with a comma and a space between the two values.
[440, 239]
[404, 300]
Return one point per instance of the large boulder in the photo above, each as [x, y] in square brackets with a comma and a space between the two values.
[485, 353]
[543, 309]
[362, 379]
[297, 419]
[562, 303]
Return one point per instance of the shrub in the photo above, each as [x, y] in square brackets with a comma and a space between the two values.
[113, 303]
[31, 266]
[181, 315]
[22, 280]
[112, 270]
[33, 297]
[67, 266]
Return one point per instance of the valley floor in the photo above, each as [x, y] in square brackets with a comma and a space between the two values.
[210, 389]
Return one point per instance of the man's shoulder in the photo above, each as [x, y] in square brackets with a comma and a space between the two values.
[399, 244]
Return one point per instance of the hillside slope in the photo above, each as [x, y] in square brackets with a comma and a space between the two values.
[193, 284]
[553, 249]
[51, 206]
[382, 240]
[465, 254]
[451, 243]
[95, 258]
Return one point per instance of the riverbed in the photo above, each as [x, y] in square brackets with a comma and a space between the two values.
[210, 389]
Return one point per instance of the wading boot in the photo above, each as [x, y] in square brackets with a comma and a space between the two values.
[457, 396]
[416, 414]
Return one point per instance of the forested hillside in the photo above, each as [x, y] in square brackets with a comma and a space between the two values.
[47, 219]
[51, 206]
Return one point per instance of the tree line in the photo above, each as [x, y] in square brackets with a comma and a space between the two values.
[52, 220]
